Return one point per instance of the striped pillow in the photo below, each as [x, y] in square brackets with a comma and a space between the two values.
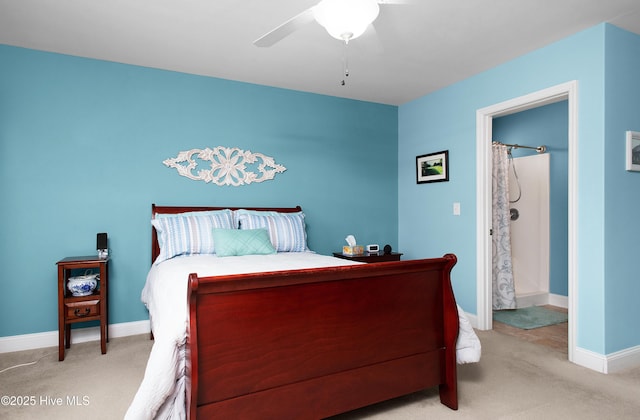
[286, 230]
[189, 234]
[237, 215]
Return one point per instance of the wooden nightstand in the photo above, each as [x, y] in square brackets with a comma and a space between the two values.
[73, 309]
[368, 257]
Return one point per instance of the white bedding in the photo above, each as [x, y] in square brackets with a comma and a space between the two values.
[162, 391]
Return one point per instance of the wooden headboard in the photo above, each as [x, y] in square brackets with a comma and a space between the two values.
[155, 209]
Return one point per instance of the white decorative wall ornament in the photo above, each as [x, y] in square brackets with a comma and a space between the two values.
[228, 166]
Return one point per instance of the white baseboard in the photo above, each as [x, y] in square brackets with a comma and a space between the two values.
[610, 363]
[559, 300]
[532, 299]
[590, 360]
[543, 298]
[623, 359]
[78, 335]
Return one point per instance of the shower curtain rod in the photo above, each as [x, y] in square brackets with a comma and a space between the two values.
[539, 149]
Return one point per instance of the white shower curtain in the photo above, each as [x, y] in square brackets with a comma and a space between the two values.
[504, 295]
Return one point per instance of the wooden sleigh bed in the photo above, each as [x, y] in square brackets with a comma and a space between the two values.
[312, 343]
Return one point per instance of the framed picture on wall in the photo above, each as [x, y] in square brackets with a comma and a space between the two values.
[433, 167]
[633, 151]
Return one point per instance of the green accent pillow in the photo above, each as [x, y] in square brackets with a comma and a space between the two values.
[233, 242]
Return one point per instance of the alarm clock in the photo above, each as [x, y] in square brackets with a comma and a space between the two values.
[373, 248]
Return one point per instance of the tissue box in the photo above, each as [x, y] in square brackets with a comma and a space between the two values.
[353, 250]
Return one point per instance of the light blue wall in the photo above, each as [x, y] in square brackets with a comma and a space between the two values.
[82, 143]
[606, 291]
[622, 190]
[547, 125]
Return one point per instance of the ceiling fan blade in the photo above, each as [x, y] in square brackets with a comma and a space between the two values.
[285, 29]
[375, 43]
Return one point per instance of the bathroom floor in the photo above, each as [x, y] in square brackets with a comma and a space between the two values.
[553, 336]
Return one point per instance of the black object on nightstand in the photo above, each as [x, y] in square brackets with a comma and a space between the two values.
[90, 307]
[370, 257]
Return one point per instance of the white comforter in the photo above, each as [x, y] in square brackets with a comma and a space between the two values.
[162, 392]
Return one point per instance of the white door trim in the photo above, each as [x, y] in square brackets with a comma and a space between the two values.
[484, 118]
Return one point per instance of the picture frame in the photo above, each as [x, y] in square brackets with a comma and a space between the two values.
[432, 167]
[633, 151]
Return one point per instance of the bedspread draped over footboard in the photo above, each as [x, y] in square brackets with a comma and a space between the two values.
[317, 342]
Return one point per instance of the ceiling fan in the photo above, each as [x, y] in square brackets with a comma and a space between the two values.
[343, 19]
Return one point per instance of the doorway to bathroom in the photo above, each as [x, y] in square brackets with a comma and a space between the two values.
[485, 135]
[536, 209]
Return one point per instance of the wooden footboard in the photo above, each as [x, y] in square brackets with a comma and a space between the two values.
[317, 342]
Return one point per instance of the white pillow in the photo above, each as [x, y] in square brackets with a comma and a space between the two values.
[189, 234]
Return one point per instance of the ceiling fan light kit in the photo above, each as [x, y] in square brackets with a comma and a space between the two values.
[343, 19]
[346, 19]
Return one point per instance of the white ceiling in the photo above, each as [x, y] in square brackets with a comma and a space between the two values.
[412, 49]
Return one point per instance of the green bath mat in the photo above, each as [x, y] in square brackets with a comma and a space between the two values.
[530, 318]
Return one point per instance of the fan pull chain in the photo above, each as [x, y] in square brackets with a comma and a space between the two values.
[345, 64]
